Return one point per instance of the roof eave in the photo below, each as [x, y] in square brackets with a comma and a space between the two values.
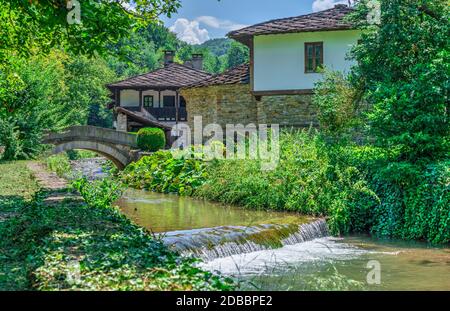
[247, 39]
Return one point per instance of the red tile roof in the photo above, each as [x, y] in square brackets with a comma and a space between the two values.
[331, 19]
[172, 76]
[237, 75]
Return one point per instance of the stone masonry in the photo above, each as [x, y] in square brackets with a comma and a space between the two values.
[234, 104]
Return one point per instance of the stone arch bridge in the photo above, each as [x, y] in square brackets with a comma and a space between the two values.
[119, 147]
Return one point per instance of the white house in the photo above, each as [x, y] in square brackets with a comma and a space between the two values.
[285, 55]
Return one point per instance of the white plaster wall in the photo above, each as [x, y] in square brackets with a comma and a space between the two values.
[129, 98]
[155, 97]
[166, 93]
[279, 60]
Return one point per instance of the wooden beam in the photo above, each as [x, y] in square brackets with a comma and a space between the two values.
[141, 104]
[176, 107]
[159, 99]
[252, 65]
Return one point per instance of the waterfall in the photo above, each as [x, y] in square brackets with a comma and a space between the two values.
[219, 242]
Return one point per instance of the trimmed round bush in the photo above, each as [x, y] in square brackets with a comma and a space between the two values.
[151, 139]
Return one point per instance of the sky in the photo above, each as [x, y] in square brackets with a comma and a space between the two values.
[200, 20]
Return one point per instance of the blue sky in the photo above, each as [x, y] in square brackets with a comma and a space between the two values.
[200, 20]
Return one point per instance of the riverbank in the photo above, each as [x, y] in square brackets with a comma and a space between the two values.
[53, 240]
[356, 187]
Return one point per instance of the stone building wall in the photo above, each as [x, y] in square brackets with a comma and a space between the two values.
[221, 104]
[287, 110]
[122, 122]
[234, 104]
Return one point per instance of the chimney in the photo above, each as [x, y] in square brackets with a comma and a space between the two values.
[340, 6]
[197, 61]
[168, 57]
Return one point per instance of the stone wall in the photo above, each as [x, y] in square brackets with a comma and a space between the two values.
[222, 104]
[287, 110]
[122, 123]
[234, 104]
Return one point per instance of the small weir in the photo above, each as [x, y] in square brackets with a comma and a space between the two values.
[266, 250]
[209, 231]
[213, 243]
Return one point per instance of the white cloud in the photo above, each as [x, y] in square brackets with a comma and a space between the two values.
[217, 23]
[320, 5]
[189, 31]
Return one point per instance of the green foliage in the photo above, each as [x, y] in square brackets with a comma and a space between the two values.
[30, 25]
[237, 54]
[338, 104]
[81, 154]
[305, 181]
[218, 46]
[151, 139]
[417, 210]
[403, 68]
[162, 172]
[99, 193]
[54, 92]
[135, 55]
[59, 164]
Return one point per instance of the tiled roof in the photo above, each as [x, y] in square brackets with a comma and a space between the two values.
[237, 75]
[141, 118]
[331, 19]
[171, 76]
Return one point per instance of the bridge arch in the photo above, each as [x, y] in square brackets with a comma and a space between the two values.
[120, 160]
[113, 145]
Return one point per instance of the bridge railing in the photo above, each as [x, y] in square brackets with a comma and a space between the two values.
[92, 133]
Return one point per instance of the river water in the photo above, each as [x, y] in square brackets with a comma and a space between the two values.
[285, 251]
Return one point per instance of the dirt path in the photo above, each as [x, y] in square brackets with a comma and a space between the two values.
[56, 187]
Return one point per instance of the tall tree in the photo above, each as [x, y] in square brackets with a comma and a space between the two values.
[237, 54]
[403, 67]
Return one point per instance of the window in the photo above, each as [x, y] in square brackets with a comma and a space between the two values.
[313, 56]
[169, 101]
[148, 101]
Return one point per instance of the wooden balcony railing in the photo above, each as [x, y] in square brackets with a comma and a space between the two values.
[168, 113]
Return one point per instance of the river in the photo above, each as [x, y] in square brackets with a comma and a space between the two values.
[285, 251]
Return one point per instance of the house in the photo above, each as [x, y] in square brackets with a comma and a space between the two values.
[276, 87]
[153, 99]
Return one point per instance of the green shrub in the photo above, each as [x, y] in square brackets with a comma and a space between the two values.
[151, 139]
[305, 181]
[59, 164]
[338, 104]
[162, 172]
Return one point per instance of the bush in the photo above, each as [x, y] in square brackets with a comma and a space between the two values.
[59, 164]
[151, 139]
[338, 104]
[162, 172]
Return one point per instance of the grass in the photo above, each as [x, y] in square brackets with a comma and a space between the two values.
[17, 180]
[70, 245]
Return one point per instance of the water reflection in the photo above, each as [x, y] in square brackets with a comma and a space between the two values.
[165, 212]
